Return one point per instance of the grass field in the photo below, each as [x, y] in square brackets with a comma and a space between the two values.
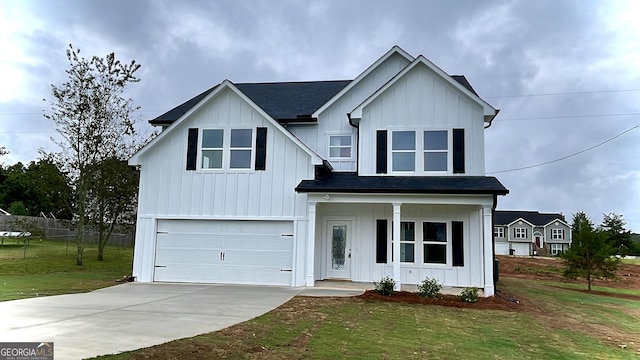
[49, 270]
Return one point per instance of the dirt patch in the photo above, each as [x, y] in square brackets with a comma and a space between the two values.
[537, 268]
[492, 303]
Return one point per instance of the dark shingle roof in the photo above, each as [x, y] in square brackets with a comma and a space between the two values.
[503, 217]
[349, 182]
[283, 101]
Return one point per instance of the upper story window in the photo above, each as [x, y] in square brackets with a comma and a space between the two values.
[520, 233]
[403, 151]
[436, 150]
[212, 148]
[498, 232]
[220, 147]
[557, 234]
[240, 148]
[340, 146]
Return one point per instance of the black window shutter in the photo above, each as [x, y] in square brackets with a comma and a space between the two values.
[381, 152]
[381, 241]
[458, 151]
[261, 148]
[192, 149]
[457, 243]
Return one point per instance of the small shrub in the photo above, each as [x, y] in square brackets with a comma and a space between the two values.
[385, 286]
[469, 294]
[429, 288]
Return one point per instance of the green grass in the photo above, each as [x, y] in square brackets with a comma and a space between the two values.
[49, 270]
[631, 261]
[351, 328]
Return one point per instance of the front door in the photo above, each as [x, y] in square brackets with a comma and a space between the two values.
[338, 249]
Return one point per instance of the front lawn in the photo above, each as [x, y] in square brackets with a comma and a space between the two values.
[50, 269]
[550, 323]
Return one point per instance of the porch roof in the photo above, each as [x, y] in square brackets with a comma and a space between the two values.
[350, 182]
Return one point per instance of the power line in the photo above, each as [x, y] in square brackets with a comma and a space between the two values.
[568, 156]
[560, 93]
[567, 117]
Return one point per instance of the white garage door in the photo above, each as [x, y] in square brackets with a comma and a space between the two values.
[217, 251]
[521, 248]
[502, 248]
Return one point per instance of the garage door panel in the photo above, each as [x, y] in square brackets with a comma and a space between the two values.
[502, 248]
[254, 252]
[521, 248]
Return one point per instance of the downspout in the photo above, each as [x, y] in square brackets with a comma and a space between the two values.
[493, 240]
[357, 143]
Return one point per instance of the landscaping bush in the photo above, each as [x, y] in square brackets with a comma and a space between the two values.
[385, 286]
[430, 287]
[469, 294]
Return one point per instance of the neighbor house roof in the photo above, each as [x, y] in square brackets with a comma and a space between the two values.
[504, 217]
[350, 182]
[283, 101]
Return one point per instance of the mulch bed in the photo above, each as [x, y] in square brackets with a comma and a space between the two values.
[500, 302]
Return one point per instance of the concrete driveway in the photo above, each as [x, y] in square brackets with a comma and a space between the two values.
[133, 315]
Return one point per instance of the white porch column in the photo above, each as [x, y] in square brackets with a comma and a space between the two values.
[488, 250]
[396, 245]
[311, 241]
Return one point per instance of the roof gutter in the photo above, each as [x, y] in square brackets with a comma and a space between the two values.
[492, 118]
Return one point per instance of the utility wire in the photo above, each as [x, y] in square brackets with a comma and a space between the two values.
[567, 117]
[560, 93]
[568, 156]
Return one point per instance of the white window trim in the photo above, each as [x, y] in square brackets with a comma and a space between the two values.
[498, 232]
[329, 135]
[556, 249]
[414, 242]
[419, 151]
[226, 149]
[448, 245]
[518, 233]
[557, 234]
[449, 152]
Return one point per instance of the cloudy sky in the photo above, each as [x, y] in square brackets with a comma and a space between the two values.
[565, 74]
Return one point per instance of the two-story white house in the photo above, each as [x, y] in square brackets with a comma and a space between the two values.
[289, 183]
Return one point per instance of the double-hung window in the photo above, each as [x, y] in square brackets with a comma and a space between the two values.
[212, 148]
[403, 151]
[557, 234]
[556, 249]
[520, 233]
[407, 241]
[434, 242]
[227, 149]
[436, 150]
[498, 232]
[340, 146]
[240, 149]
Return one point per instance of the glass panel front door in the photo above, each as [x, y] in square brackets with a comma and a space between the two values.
[338, 265]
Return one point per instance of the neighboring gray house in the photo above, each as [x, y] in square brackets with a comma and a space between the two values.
[530, 233]
[289, 183]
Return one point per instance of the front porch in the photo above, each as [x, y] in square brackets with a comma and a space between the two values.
[363, 286]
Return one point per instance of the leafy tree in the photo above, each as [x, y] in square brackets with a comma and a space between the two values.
[93, 119]
[617, 236]
[39, 187]
[112, 199]
[17, 208]
[590, 256]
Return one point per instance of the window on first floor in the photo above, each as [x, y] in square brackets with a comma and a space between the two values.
[557, 234]
[498, 232]
[434, 242]
[556, 249]
[407, 241]
[520, 233]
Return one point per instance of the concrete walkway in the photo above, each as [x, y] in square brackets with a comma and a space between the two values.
[134, 315]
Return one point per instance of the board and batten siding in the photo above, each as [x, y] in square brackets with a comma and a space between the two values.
[169, 191]
[422, 100]
[363, 246]
[334, 119]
